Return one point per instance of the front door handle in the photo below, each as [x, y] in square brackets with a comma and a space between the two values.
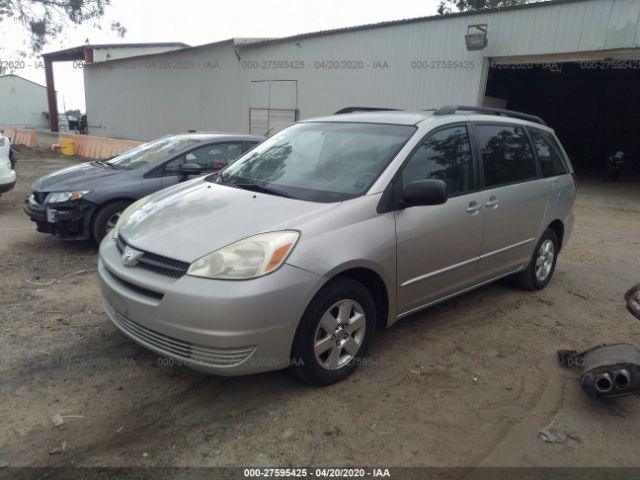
[493, 202]
[473, 208]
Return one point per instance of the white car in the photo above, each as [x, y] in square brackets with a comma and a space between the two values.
[7, 175]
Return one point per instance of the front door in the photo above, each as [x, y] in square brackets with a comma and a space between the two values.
[210, 157]
[438, 246]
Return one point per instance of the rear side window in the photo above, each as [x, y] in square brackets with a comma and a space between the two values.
[444, 155]
[506, 154]
[549, 153]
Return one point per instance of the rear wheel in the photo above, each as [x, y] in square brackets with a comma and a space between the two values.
[106, 218]
[543, 263]
[335, 333]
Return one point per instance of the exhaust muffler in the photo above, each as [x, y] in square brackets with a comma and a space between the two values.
[607, 370]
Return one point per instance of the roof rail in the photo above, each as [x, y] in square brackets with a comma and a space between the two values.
[450, 109]
[365, 109]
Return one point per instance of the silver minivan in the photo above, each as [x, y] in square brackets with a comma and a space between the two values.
[297, 253]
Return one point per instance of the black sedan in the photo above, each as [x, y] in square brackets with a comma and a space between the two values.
[84, 201]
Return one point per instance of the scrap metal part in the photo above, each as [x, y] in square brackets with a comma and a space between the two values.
[611, 370]
[632, 297]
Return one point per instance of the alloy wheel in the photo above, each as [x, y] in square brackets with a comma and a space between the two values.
[544, 260]
[339, 334]
[111, 222]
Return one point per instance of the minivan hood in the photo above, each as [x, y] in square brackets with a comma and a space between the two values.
[197, 218]
[84, 176]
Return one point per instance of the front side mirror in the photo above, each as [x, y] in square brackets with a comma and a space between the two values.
[190, 169]
[425, 192]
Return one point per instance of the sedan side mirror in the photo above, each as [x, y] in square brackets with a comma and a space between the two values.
[425, 192]
[190, 169]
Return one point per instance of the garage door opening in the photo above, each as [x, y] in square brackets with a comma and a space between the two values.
[592, 105]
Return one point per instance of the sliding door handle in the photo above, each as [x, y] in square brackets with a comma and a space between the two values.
[493, 202]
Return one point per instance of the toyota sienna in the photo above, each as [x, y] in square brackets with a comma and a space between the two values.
[298, 252]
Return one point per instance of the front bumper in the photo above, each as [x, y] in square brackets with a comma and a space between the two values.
[217, 326]
[7, 186]
[69, 220]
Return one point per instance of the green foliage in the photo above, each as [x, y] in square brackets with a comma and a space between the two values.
[477, 5]
[44, 19]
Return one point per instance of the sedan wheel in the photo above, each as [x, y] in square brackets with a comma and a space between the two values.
[112, 221]
[106, 218]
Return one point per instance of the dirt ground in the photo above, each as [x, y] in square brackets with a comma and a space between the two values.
[470, 382]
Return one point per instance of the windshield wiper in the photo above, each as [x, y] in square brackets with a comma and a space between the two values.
[255, 187]
[106, 164]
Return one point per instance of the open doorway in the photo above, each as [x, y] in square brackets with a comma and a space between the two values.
[592, 105]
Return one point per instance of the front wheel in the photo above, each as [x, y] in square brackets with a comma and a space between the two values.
[543, 263]
[335, 333]
[106, 218]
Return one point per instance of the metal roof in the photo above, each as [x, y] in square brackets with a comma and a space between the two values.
[78, 52]
[21, 78]
[392, 23]
[248, 42]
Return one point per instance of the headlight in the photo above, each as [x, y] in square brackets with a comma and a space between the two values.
[59, 197]
[124, 216]
[249, 258]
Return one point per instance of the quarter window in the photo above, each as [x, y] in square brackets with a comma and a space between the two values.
[444, 155]
[549, 153]
[506, 154]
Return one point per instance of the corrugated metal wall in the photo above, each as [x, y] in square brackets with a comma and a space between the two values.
[22, 103]
[411, 65]
[146, 97]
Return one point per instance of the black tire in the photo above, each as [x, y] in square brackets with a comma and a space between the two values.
[303, 360]
[527, 279]
[101, 218]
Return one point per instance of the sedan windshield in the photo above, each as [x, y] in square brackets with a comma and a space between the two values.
[320, 162]
[148, 153]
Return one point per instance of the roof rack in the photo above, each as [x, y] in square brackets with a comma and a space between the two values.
[365, 109]
[451, 109]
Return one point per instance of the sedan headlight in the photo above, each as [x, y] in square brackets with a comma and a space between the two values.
[249, 258]
[124, 216]
[60, 197]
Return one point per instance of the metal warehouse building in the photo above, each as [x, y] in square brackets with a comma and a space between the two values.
[574, 63]
[23, 103]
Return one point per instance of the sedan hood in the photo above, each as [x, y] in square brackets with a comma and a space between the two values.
[78, 177]
[198, 217]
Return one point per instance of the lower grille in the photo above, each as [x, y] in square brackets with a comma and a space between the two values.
[179, 349]
[157, 263]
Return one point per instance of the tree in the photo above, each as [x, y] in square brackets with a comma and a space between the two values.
[44, 19]
[476, 5]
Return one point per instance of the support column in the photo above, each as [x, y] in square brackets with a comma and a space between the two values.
[51, 95]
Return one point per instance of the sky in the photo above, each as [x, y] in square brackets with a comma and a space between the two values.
[197, 22]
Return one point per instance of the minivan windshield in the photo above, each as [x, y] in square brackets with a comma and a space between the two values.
[319, 161]
[148, 153]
